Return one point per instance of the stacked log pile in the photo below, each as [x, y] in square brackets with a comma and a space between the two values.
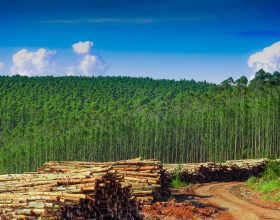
[233, 170]
[147, 178]
[78, 194]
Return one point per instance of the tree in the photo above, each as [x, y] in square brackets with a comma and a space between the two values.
[275, 79]
[242, 81]
[228, 82]
[114, 118]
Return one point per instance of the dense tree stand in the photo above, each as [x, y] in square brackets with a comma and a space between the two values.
[115, 118]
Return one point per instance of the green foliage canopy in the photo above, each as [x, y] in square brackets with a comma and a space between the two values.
[113, 118]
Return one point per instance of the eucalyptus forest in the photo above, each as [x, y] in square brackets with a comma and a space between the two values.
[114, 118]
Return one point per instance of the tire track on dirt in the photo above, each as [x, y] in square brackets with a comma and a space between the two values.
[220, 194]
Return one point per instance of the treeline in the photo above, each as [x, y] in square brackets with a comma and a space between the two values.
[113, 118]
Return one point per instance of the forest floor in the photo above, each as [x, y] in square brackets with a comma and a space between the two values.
[221, 201]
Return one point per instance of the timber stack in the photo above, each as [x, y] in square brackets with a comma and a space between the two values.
[77, 194]
[231, 170]
[147, 179]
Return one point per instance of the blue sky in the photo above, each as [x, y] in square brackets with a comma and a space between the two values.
[199, 39]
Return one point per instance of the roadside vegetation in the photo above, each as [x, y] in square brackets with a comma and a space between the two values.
[115, 118]
[269, 182]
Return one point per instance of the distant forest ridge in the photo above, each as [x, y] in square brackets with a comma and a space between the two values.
[114, 118]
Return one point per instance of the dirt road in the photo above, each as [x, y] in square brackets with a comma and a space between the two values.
[220, 194]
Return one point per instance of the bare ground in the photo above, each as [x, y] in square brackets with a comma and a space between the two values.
[222, 195]
[182, 205]
[221, 201]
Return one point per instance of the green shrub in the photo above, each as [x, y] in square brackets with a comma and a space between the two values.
[178, 171]
[252, 181]
[272, 171]
[269, 182]
[176, 181]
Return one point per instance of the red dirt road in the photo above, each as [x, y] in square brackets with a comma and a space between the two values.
[220, 194]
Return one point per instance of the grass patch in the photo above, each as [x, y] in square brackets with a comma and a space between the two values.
[265, 197]
[268, 186]
[271, 197]
[269, 182]
[176, 181]
[252, 181]
[276, 198]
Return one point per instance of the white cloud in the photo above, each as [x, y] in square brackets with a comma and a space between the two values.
[268, 59]
[82, 47]
[90, 64]
[37, 63]
[44, 62]
[93, 65]
[1, 66]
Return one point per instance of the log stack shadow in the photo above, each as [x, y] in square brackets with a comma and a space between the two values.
[232, 170]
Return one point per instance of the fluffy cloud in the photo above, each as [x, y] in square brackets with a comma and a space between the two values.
[44, 62]
[267, 59]
[1, 66]
[37, 63]
[91, 63]
[82, 47]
